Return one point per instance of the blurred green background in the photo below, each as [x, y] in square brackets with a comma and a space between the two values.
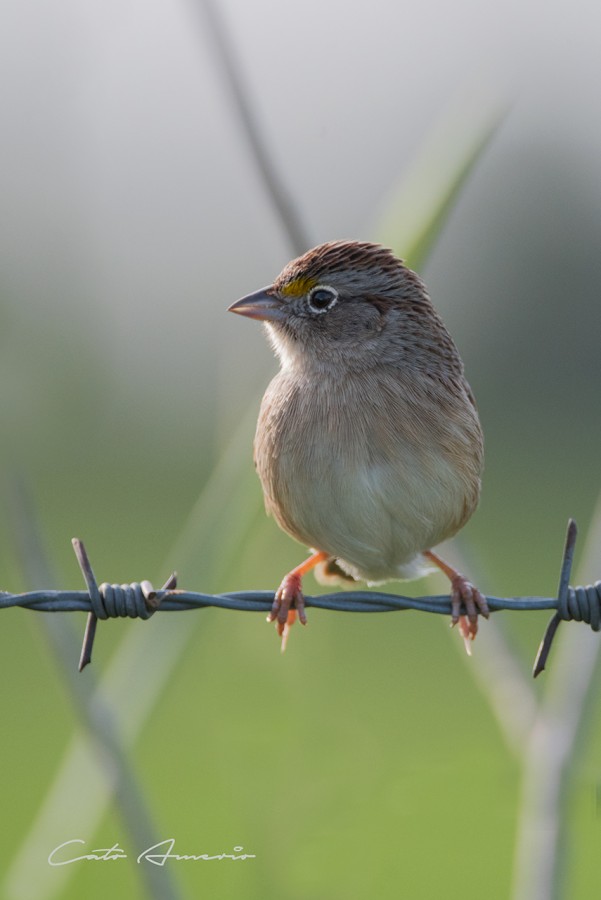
[365, 762]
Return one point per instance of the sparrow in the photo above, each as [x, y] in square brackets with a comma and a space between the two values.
[368, 444]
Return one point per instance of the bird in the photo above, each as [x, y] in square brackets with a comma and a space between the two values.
[368, 443]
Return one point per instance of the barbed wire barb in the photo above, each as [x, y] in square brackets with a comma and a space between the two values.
[126, 592]
[88, 574]
[562, 596]
[141, 600]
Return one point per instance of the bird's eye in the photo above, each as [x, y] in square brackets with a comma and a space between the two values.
[321, 299]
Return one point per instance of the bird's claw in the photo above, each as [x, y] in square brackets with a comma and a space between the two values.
[464, 592]
[287, 604]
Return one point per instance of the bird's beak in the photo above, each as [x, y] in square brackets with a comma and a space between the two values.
[262, 305]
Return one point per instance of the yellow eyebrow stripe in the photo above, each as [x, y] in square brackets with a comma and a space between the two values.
[298, 286]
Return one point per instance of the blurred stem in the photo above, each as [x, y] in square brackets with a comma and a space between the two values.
[218, 526]
[92, 711]
[275, 188]
[498, 671]
[421, 203]
[554, 740]
[504, 684]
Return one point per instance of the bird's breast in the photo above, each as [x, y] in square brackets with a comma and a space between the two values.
[368, 470]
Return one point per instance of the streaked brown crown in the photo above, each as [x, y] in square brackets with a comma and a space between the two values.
[367, 267]
[383, 314]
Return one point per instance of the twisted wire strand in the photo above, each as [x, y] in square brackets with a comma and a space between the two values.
[582, 604]
[121, 600]
[141, 600]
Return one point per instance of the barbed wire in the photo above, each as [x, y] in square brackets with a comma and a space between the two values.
[141, 600]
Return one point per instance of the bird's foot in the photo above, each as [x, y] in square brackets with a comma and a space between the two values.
[289, 600]
[463, 591]
[287, 604]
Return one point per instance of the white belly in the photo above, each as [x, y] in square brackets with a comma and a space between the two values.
[372, 491]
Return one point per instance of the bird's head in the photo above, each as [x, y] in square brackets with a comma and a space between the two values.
[345, 304]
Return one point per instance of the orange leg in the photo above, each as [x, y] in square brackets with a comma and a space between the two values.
[289, 598]
[462, 591]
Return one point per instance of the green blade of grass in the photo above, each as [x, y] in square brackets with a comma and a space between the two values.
[419, 206]
[225, 510]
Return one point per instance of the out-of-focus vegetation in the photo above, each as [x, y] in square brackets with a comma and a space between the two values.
[364, 762]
